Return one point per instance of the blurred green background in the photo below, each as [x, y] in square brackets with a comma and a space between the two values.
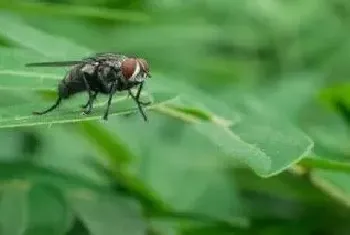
[248, 132]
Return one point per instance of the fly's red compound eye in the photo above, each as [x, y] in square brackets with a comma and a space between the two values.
[129, 68]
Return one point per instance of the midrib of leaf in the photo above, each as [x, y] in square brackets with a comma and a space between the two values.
[91, 117]
[97, 104]
[186, 117]
[30, 74]
[4, 88]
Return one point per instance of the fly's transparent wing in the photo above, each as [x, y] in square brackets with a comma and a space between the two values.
[53, 63]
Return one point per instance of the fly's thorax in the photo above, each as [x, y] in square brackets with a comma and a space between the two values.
[109, 71]
[114, 63]
[90, 67]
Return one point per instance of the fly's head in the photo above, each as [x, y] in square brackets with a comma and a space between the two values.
[135, 69]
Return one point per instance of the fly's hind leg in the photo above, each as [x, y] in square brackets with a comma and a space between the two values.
[54, 106]
[92, 96]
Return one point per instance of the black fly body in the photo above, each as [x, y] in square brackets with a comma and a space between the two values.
[105, 73]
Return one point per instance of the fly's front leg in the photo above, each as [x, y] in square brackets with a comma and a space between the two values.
[138, 102]
[137, 97]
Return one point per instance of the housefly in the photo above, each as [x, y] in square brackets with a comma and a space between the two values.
[105, 73]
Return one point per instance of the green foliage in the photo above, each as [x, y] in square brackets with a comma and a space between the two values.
[248, 130]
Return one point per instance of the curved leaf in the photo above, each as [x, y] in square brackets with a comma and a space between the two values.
[268, 147]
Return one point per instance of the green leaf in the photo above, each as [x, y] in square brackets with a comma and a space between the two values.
[298, 189]
[326, 126]
[336, 92]
[48, 211]
[62, 149]
[293, 93]
[107, 214]
[207, 230]
[284, 144]
[186, 178]
[264, 142]
[14, 29]
[13, 209]
[330, 133]
[75, 11]
[24, 176]
[111, 146]
[268, 148]
[50, 198]
[117, 155]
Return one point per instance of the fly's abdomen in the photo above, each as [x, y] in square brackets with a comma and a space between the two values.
[67, 89]
[74, 82]
[76, 86]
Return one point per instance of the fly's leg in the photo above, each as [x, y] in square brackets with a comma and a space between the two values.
[93, 98]
[54, 106]
[139, 103]
[137, 97]
[130, 94]
[111, 92]
[89, 104]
